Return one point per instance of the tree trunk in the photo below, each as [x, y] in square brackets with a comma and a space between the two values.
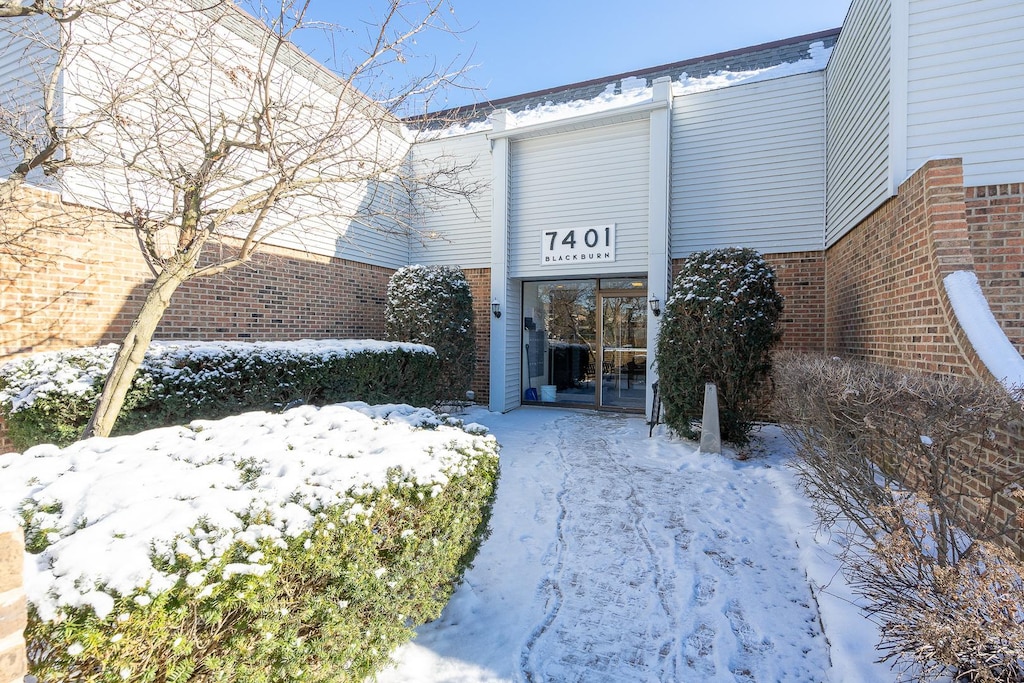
[133, 349]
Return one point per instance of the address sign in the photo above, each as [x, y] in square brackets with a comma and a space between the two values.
[578, 245]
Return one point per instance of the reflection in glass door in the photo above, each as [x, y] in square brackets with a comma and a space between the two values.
[585, 342]
[623, 350]
[560, 341]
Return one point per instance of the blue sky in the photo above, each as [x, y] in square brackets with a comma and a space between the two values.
[518, 47]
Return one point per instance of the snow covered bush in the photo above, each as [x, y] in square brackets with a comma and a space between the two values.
[720, 324]
[48, 397]
[924, 472]
[433, 305]
[302, 545]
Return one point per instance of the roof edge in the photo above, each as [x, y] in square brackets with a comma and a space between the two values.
[489, 105]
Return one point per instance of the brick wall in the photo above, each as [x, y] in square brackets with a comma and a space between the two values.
[279, 295]
[88, 282]
[71, 279]
[885, 299]
[995, 224]
[480, 285]
[886, 302]
[800, 278]
[82, 282]
[13, 616]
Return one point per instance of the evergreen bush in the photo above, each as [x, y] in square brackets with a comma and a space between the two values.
[433, 305]
[720, 324]
[49, 397]
[297, 546]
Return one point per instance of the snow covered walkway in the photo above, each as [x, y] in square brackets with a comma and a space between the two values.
[617, 558]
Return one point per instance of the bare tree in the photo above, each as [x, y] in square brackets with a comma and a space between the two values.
[194, 122]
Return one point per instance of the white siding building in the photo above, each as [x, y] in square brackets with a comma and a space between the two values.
[800, 143]
[595, 189]
[586, 194]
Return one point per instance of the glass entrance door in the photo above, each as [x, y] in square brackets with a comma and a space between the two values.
[585, 342]
[623, 350]
[560, 342]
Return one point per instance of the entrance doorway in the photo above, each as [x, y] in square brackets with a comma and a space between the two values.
[585, 342]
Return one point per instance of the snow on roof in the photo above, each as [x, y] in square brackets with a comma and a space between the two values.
[633, 90]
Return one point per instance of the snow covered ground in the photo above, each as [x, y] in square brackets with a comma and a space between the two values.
[618, 557]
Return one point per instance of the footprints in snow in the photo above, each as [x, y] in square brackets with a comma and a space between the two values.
[704, 590]
[651, 579]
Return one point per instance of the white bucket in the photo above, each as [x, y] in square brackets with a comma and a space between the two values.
[547, 393]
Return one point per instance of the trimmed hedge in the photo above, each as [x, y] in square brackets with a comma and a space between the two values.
[320, 584]
[433, 305]
[49, 397]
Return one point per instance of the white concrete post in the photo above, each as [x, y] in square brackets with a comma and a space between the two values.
[658, 257]
[710, 432]
[499, 259]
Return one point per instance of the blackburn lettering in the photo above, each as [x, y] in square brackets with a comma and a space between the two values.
[578, 245]
[606, 256]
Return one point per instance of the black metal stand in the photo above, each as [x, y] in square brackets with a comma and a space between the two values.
[655, 410]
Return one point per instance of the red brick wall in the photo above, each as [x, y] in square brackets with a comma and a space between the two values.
[6, 445]
[279, 295]
[995, 223]
[886, 302]
[800, 278]
[13, 616]
[84, 281]
[73, 280]
[885, 299]
[480, 285]
[88, 282]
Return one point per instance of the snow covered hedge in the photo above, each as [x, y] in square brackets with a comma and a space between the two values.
[434, 305]
[262, 547]
[48, 397]
[720, 324]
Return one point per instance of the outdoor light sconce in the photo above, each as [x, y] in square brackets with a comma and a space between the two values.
[655, 303]
[496, 308]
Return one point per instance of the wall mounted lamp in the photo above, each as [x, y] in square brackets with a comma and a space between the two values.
[655, 304]
[496, 308]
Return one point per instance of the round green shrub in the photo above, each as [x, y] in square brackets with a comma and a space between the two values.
[433, 305]
[720, 324]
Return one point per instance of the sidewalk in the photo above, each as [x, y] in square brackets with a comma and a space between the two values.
[616, 558]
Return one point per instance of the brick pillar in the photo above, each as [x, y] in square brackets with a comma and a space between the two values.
[13, 616]
[6, 445]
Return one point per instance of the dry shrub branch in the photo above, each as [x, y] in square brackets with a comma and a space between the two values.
[923, 470]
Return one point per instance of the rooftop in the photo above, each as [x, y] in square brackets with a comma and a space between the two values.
[751, 58]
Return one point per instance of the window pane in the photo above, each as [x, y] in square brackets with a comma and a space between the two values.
[638, 283]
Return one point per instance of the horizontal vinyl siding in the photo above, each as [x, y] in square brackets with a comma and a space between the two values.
[591, 177]
[455, 231]
[748, 166]
[25, 64]
[329, 220]
[513, 345]
[385, 243]
[857, 106]
[966, 87]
